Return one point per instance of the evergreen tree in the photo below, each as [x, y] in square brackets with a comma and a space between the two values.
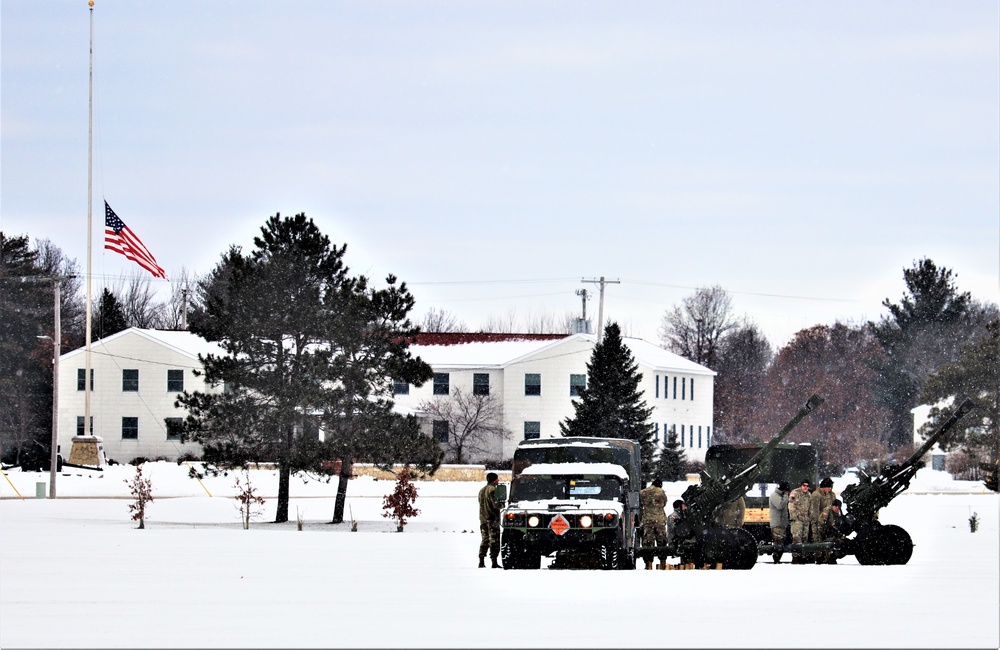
[611, 405]
[110, 317]
[921, 333]
[976, 374]
[671, 461]
[307, 346]
[27, 311]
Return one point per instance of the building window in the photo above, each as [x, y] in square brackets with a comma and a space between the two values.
[174, 428]
[440, 430]
[683, 388]
[656, 426]
[657, 393]
[130, 428]
[130, 380]
[442, 385]
[675, 387]
[532, 384]
[692, 388]
[175, 381]
[532, 430]
[699, 436]
[577, 384]
[480, 383]
[400, 387]
[708, 436]
[79, 425]
[80, 384]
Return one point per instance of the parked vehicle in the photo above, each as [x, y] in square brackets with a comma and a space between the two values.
[576, 499]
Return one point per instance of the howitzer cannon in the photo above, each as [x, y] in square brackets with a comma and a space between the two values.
[875, 543]
[697, 538]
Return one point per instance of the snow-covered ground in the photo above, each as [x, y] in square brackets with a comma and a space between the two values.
[75, 572]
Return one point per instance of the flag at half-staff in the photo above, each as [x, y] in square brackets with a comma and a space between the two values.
[119, 238]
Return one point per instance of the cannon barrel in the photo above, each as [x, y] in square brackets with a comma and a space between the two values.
[696, 535]
[863, 500]
[963, 408]
[714, 493]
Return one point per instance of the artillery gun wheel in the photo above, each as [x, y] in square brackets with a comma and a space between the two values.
[886, 545]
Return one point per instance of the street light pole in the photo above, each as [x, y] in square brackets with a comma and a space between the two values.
[56, 349]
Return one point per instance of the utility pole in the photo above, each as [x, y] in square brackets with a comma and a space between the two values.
[56, 350]
[600, 309]
[584, 296]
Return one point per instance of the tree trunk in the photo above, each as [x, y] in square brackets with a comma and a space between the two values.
[284, 478]
[345, 475]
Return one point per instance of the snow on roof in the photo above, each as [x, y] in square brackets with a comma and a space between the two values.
[483, 351]
[480, 354]
[575, 468]
[181, 341]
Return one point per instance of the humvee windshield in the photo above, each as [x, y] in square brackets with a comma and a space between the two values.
[543, 487]
[525, 456]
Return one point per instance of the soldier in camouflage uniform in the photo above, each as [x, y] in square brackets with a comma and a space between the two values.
[820, 516]
[778, 517]
[674, 517]
[654, 520]
[489, 521]
[799, 515]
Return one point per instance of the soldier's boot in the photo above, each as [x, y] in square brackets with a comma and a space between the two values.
[661, 565]
[495, 565]
[649, 564]
[777, 558]
[482, 561]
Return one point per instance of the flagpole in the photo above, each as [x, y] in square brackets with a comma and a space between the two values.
[87, 430]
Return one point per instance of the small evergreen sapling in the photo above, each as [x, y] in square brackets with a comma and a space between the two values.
[399, 504]
[142, 489]
[249, 504]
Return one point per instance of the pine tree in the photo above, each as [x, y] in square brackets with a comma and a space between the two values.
[306, 347]
[671, 460]
[976, 374]
[611, 405]
[110, 317]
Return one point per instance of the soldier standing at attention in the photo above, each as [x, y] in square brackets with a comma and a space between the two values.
[819, 515]
[654, 520]
[489, 521]
[798, 514]
[778, 512]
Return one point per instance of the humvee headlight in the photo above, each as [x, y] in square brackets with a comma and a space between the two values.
[609, 517]
[586, 521]
[533, 521]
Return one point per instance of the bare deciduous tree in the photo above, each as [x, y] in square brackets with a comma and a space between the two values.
[475, 423]
[439, 320]
[501, 324]
[138, 300]
[695, 329]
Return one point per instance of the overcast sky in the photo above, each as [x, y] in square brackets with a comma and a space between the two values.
[493, 154]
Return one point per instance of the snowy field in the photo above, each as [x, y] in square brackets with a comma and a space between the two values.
[75, 572]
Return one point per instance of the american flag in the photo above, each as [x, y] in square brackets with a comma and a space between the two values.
[120, 238]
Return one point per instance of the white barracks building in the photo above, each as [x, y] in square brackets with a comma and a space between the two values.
[537, 377]
[138, 374]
